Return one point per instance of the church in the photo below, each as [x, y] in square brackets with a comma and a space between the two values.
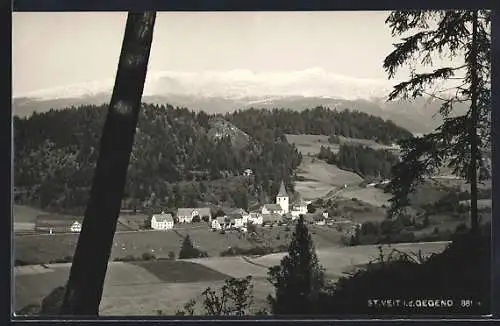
[282, 205]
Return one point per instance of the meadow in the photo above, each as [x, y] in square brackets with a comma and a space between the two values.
[37, 249]
[310, 144]
[320, 178]
[143, 288]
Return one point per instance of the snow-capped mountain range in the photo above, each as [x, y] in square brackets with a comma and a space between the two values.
[234, 84]
[225, 91]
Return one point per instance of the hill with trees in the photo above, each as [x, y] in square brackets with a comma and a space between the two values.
[365, 161]
[56, 152]
[320, 121]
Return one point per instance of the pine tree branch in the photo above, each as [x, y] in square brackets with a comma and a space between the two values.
[419, 82]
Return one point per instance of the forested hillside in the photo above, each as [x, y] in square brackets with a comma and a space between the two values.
[365, 161]
[320, 121]
[56, 152]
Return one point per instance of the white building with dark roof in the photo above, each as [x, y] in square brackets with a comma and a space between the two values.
[185, 215]
[299, 208]
[162, 221]
[75, 227]
[255, 218]
[272, 209]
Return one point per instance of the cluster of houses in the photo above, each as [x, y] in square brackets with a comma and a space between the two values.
[268, 214]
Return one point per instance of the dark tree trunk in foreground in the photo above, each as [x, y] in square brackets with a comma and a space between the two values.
[473, 127]
[88, 271]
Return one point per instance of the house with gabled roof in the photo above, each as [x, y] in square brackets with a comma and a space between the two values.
[239, 214]
[219, 223]
[75, 227]
[162, 221]
[299, 207]
[255, 218]
[272, 209]
[185, 215]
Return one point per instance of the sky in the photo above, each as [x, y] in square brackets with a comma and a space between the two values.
[57, 49]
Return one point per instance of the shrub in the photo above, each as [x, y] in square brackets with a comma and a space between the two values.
[426, 222]
[251, 228]
[66, 259]
[311, 209]
[126, 258]
[19, 262]
[148, 256]
[234, 298]
[237, 251]
[219, 213]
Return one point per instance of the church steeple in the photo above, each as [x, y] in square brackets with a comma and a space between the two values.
[282, 198]
[282, 192]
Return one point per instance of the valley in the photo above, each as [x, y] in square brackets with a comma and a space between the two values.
[143, 288]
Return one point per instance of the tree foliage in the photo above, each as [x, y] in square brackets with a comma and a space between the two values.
[189, 251]
[299, 278]
[318, 121]
[461, 141]
[234, 298]
[56, 152]
[366, 161]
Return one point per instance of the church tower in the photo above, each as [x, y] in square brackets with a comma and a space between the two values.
[282, 198]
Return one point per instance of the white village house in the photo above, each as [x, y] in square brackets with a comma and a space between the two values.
[75, 227]
[255, 218]
[236, 221]
[162, 221]
[185, 215]
[248, 172]
[219, 223]
[299, 208]
[272, 209]
[319, 219]
[240, 213]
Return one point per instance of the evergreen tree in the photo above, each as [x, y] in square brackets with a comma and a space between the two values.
[462, 140]
[188, 250]
[299, 278]
[240, 199]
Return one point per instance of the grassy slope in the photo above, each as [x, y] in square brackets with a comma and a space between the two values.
[31, 288]
[321, 178]
[44, 248]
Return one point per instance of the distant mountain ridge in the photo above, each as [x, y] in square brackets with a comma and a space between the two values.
[227, 91]
[417, 116]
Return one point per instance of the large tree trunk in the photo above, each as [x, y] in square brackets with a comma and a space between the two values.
[473, 125]
[88, 271]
